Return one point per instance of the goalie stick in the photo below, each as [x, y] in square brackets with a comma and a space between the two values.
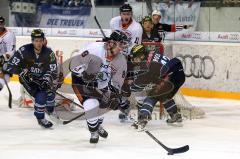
[10, 94]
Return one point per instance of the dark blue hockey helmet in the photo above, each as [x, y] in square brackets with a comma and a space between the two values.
[37, 33]
[119, 36]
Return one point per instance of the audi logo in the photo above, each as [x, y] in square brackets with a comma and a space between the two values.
[196, 36]
[234, 37]
[197, 66]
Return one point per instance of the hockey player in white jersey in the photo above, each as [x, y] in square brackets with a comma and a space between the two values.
[7, 48]
[134, 31]
[128, 25]
[98, 73]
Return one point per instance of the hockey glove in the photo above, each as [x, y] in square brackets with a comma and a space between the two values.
[88, 77]
[46, 81]
[25, 76]
[109, 99]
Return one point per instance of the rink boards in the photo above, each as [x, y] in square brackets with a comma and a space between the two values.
[212, 68]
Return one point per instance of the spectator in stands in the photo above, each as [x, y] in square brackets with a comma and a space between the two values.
[149, 33]
[58, 2]
[67, 3]
[180, 1]
[162, 28]
[71, 3]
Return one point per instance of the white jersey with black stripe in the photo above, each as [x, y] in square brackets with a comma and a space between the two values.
[7, 42]
[93, 60]
[134, 31]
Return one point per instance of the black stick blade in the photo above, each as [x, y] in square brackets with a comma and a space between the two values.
[69, 121]
[178, 150]
[171, 151]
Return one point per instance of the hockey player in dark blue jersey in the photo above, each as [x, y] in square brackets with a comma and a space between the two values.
[162, 79]
[36, 66]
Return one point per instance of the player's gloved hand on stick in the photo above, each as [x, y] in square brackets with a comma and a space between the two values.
[46, 81]
[25, 76]
[114, 103]
[88, 77]
[110, 98]
[113, 89]
[115, 97]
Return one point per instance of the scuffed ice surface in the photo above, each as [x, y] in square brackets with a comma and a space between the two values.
[217, 136]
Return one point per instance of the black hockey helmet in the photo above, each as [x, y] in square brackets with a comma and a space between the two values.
[138, 50]
[125, 8]
[37, 33]
[121, 37]
[2, 20]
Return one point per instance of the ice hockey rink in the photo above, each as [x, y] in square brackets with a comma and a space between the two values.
[216, 136]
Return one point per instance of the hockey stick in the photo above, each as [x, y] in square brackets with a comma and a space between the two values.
[95, 18]
[10, 94]
[80, 106]
[171, 151]
[76, 117]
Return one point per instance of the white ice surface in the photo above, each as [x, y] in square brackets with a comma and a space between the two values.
[215, 137]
